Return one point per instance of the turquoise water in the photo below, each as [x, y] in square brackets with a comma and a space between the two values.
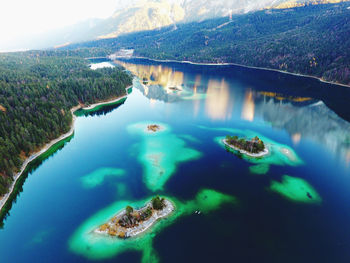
[290, 206]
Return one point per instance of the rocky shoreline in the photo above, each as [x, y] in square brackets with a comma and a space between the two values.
[114, 229]
[107, 102]
[255, 155]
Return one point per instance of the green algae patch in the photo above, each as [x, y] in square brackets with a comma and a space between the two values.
[160, 152]
[95, 246]
[259, 168]
[296, 189]
[279, 154]
[97, 177]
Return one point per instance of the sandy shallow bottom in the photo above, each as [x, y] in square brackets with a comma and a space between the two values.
[89, 244]
[159, 153]
[296, 189]
[278, 154]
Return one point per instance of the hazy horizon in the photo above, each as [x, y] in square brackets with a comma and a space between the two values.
[40, 24]
[33, 24]
[24, 20]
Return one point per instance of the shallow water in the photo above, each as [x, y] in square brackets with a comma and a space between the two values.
[290, 206]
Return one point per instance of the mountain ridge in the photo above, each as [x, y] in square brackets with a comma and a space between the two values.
[135, 16]
[312, 40]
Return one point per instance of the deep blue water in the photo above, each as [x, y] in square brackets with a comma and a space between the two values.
[305, 114]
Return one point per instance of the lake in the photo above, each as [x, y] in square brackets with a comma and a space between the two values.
[289, 206]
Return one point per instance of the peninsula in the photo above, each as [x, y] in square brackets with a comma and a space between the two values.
[253, 148]
[131, 222]
[67, 85]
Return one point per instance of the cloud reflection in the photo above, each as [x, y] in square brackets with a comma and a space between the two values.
[248, 106]
[218, 105]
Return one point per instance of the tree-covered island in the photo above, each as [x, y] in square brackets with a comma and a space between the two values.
[254, 147]
[131, 222]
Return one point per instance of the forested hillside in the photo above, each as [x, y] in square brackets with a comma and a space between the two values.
[139, 15]
[313, 40]
[37, 91]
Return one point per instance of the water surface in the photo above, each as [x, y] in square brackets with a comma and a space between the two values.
[111, 160]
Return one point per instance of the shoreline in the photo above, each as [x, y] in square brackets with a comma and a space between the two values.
[47, 146]
[107, 102]
[254, 155]
[239, 65]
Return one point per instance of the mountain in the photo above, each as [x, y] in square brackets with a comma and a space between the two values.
[153, 14]
[140, 15]
[312, 40]
[300, 3]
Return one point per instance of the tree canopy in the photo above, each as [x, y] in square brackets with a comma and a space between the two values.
[37, 91]
[312, 40]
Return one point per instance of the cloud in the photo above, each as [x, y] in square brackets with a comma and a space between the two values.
[23, 18]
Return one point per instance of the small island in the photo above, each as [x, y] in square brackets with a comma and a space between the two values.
[153, 127]
[131, 222]
[174, 88]
[253, 148]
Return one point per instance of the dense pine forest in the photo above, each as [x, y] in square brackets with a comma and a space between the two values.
[312, 40]
[37, 91]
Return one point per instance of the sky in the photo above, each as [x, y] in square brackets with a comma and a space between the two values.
[21, 18]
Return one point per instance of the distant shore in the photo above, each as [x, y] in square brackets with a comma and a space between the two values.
[239, 65]
[255, 155]
[47, 146]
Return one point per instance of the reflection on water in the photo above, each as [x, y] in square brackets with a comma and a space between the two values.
[160, 75]
[308, 163]
[315, 121]
[248, 106]
[347, 159]
[221, 98]
[296, 138]
[218, 104]
[279, 96]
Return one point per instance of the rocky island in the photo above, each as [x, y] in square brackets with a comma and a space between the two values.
[174, 88]
[131, 222]
[153, 127]
[253, 148]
